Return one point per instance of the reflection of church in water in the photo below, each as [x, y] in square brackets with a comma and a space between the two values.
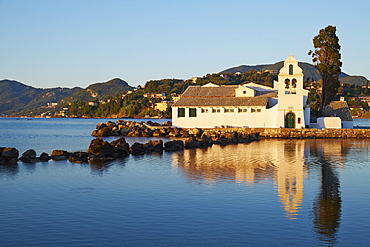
[283, 161]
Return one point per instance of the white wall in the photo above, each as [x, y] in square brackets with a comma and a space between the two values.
[265, 118]
[329, 123]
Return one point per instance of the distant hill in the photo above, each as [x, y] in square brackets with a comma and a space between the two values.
[354, 80]
[16, 97]
[100, 90]
[19, 99]
[309, 71]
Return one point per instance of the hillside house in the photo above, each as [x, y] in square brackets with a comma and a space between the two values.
[248, 105]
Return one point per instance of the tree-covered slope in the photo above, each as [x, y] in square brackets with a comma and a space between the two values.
[100, 90]
[19, 99]
[309, 70]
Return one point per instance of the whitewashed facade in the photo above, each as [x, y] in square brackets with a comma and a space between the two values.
[250, 105]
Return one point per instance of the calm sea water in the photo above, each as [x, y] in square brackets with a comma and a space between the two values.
[266, 193]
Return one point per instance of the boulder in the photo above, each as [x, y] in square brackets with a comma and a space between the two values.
[175, 145]
[29, 156]
[10, 153]
[102, 132]
[205, 141]
[110, 124]
[30, 153]
[100, 126]
[60, 153]
[138, 148]
[195, 132]
[154, 146]
[79, 157]
[98, 146]
[44, 157]
[124, 131]
[59, 157]
[8, 156]
[104, 149]
[192, 143]
[122, 145]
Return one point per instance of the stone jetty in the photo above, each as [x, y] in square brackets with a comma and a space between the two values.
[150, 129]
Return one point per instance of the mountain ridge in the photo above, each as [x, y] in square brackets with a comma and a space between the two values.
[21, 99]
[309, 70]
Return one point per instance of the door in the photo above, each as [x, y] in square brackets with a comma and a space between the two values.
[290, 120]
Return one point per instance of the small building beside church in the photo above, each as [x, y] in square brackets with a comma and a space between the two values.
[249, 105]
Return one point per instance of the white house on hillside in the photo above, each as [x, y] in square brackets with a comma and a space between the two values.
[249, 105]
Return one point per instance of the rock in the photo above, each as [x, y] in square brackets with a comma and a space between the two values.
[154, 146]
[1, 150]
[138, 148]
[222, 140]
[122, 145]
[192, 143]
[124, 131]
[195, 132]
[10, 153]
[98, 146]
[60, 153]
[103, 149]
[44, 157]
[8, 156]
[30, 153]
[147, 133]
[29, 156]
[79, 157]
[174, 145]
[110, 124]
[102, 132]
[100, 126]
[59, 157]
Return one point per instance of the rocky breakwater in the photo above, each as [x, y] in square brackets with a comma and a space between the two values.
[142, 129]
[100, 150]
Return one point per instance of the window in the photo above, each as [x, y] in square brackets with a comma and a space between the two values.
[253, 110]
[242, 110]
[216, 110]
[244, 92]
[290, 69]
[294, 83]
[228, 110]
[181, 112]
[192, 112]
[256, 110]
[204, 110]
[287, 83]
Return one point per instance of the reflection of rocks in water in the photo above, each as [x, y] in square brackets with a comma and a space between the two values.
[100, 165]
[9, 170]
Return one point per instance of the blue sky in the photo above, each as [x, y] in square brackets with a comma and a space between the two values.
[47, 43]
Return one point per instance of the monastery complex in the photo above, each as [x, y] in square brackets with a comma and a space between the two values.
[256, 106]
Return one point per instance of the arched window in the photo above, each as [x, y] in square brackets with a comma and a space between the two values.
[287, 83]
[290, 69]
[294, 83]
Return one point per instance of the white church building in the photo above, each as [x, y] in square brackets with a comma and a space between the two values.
[249, 105]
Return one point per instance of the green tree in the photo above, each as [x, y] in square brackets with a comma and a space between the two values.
[326, 58]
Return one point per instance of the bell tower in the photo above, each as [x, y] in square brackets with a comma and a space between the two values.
[290, 78]
[293, 111]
